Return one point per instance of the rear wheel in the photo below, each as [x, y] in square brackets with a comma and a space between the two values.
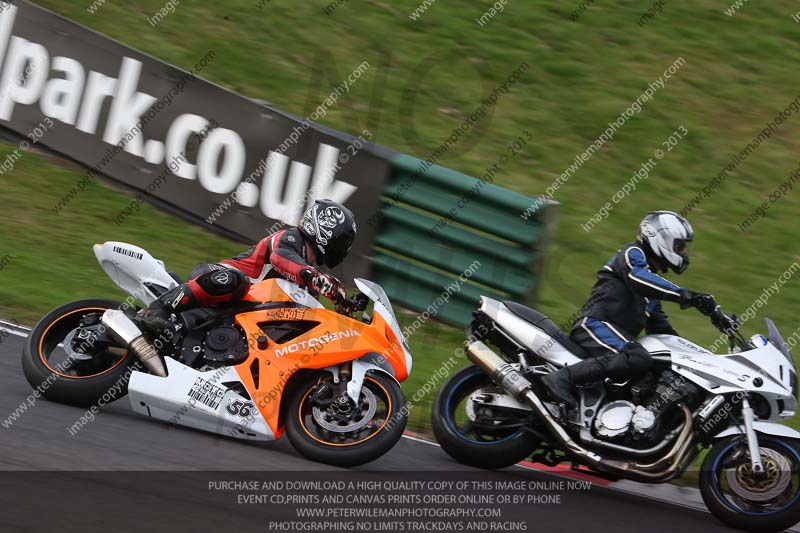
[343, 432]
[474, 434]
[100, 371]
[742, 500]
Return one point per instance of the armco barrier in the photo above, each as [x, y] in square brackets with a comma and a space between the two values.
[438, 225]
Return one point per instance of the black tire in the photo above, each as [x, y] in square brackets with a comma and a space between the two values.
[108, 385]
[768, 521]
[506, 451]
[300, 422]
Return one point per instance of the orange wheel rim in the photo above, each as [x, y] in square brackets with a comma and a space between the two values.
[365, 439]
[53, 370]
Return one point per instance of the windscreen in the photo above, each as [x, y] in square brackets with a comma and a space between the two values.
[382, 306]
[777, 340]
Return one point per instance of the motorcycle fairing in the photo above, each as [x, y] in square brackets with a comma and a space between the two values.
[528, 334]
[766, 428]
[726, 373]
[201, 400]
[378, 346]
[335, 340]
[133, 269]
[281, 290]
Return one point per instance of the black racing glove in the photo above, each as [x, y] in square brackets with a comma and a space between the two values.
[704, 302]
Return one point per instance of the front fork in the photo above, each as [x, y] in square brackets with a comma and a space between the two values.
[338, 391]
[752, 439]
[348, 377]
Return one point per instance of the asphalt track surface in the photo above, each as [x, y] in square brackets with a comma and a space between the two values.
[94, 481]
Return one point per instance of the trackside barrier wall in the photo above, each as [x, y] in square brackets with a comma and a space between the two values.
[439, 227]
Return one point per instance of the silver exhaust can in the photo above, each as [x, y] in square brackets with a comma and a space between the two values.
[501, 372]
[125, 331]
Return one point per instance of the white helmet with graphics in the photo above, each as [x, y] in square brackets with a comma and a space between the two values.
[331, 229]
[665, 236]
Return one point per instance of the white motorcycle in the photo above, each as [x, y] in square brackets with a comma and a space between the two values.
[650, 429]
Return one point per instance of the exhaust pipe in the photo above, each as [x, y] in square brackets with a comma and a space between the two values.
[507, 377]
[511, 380]
[125, 331]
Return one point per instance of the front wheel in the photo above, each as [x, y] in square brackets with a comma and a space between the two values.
[759, 503]
[101, 373]
[475, 434]
[342, 432]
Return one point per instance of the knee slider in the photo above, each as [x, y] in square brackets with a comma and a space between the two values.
[223, 282]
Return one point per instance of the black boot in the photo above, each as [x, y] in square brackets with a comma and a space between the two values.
[559, 387]
[158, 314]
[561, 384]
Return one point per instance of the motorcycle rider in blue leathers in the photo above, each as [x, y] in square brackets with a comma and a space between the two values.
[627, 299]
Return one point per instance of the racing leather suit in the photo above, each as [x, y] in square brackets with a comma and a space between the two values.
[285, 254]
[625, 299]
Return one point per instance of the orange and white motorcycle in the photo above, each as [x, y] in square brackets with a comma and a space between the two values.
[276, 361]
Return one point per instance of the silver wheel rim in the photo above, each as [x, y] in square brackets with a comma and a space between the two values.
[470, 405]
[322, 417]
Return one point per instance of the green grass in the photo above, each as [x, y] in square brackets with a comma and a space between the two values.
[740, 72]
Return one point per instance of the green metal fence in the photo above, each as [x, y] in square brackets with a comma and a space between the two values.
[446, 238]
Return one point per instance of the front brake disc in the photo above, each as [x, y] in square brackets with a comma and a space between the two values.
[325, 419]
[777, 476]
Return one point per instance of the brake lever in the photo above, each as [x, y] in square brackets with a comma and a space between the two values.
[361, 301]
[729, 325]
[723, 322]
[350, 306]
[345, 307]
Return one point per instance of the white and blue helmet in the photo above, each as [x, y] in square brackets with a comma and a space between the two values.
[665, 235]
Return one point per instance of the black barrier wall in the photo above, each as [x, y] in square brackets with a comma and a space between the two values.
[213, 156]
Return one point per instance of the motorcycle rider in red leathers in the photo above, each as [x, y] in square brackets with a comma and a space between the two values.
[324, 237]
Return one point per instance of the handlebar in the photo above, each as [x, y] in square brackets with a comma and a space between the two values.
[729, 325]
[722, 321]
[350, 306]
